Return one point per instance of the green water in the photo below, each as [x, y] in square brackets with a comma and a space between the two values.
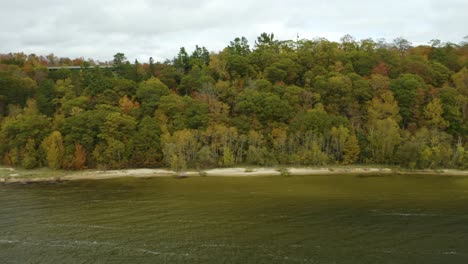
[314, 219]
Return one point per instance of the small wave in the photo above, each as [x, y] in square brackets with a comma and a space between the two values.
[101, 227]
[405, 214]
[220, 245]
[449, 253]
[82, 226]
[149, 251]
[287, 258]
[93, 243]
[74, 243]
[6, 241]
[425, 252]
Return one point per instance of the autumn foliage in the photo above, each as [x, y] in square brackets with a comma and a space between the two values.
[271, 102]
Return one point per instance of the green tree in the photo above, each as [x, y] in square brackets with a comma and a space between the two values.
[267, 107]
[406, 90]
[382, 128]
[384, 137]
[336, 93]
[95, 81]
[228, 157]
[54, 149]
[149, 93]
[30, 155]
[239, 46]
[182, 61]
[433, 113]
[402, 45]
[351, 150]
[180, 149]
[28, 127]
[147, 144]
[14, 90]
[200, 56]
[338, 137]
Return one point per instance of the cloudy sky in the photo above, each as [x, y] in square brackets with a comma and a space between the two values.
[158, 28]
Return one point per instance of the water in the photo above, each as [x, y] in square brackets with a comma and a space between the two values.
[310, 219]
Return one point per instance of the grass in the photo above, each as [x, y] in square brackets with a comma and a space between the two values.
[284, 172]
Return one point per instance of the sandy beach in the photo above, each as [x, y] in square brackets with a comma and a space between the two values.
[11, 175]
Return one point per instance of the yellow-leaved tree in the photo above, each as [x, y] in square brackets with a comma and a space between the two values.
[54, 149]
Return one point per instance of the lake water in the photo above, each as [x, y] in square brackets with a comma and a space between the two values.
[309, 219]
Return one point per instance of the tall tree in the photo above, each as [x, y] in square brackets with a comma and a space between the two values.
[54, 149]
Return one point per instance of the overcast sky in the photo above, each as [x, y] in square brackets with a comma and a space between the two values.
[143, 28]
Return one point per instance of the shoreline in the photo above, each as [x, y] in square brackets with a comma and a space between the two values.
[15, 177]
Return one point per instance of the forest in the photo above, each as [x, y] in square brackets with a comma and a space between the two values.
[303, 102]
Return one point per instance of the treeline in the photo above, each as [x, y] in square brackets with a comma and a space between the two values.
[304, 102]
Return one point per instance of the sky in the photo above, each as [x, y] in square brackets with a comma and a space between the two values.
[142, 28]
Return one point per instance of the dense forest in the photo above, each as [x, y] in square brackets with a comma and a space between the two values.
[302, 102]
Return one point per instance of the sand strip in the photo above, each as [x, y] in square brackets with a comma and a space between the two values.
[228, 172]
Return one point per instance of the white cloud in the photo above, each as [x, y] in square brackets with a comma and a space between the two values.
[144, 28]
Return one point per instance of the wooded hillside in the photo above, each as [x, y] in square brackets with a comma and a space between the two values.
[303, 102]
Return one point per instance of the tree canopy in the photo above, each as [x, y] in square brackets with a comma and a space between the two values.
[270, 102]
